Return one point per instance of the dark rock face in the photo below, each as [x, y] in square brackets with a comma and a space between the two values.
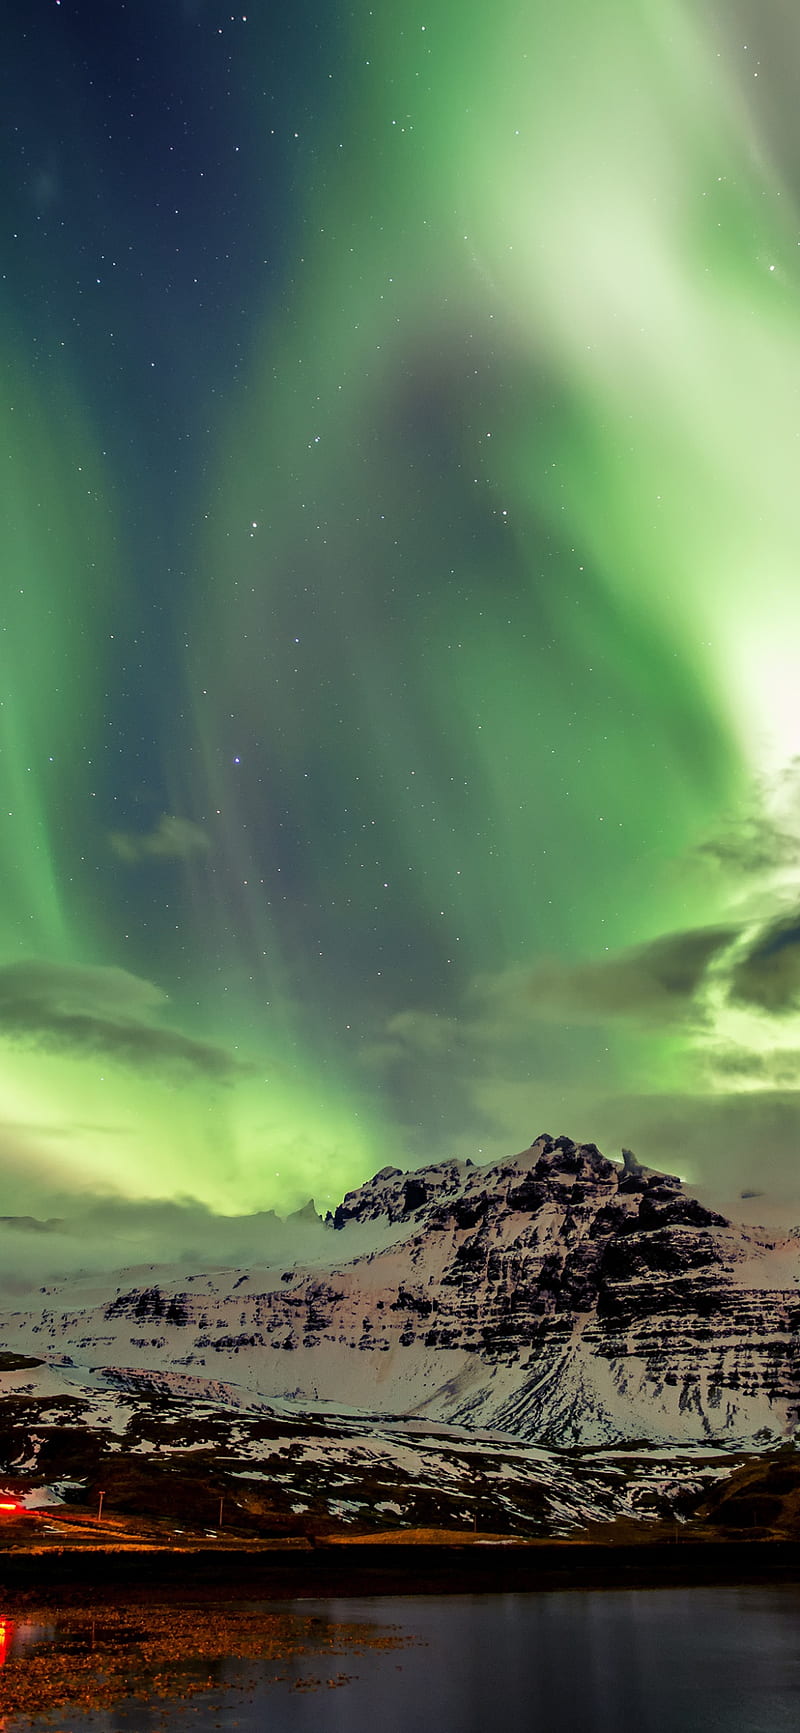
[415, 1194]
[661, 1207]
[530, 1195]
[394, 1195]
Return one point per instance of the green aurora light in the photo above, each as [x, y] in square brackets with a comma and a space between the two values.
[393, 615]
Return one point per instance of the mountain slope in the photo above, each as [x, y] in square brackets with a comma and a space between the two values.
[555, 1297]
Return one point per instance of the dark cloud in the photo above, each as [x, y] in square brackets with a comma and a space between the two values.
[778, 1069]
[765, 835]
[752, 847]
[32, 1224]
[172, 839]
[66, 1007]
[656, 983]
[768, 975]
[741, 1062]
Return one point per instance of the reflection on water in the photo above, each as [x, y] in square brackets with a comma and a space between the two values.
[17, 1636]
[600, 1661]
[90, 1660]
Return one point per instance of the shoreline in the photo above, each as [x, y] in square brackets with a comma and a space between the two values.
[354, 1568]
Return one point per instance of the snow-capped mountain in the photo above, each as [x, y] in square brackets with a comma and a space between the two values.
[556, 1297]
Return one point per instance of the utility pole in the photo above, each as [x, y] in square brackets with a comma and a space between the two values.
[221, 1502]
[101, 1496]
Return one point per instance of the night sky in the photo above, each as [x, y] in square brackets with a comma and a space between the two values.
[400, 597]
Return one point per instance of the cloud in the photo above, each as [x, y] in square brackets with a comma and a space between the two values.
[172, 839]
[32, 1224]
[423, 1033]
[766, 838]
[778, 1069]
[752, 847]
[70, 1008]
[113, 1233]
[768, 974]
[655, 983]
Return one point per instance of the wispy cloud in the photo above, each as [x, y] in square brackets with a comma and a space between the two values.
[70, 1008]
[172, 839]
[764, 838]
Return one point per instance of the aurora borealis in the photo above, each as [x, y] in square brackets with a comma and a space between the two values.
[400, 595]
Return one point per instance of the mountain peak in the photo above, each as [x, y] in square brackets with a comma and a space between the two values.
[399, 1196]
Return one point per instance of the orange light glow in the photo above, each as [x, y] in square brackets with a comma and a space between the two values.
[6, 1633]
[9, 1504]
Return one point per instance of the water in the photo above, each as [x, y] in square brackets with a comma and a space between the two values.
[703, 1660]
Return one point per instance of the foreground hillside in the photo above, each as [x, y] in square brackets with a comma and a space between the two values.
[285, 1470]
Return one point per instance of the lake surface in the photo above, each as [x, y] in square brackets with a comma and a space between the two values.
[701, 1660]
